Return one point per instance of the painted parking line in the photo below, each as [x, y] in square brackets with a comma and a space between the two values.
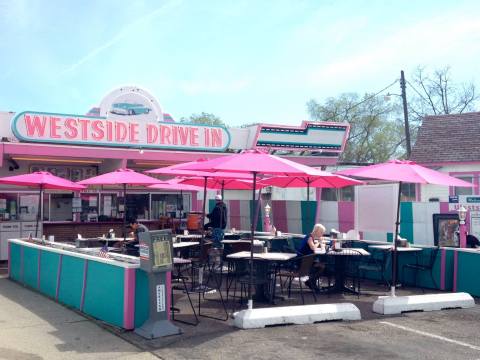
[433, 336]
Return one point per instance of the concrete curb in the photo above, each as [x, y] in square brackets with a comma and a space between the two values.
[304, 314]
[388, 305]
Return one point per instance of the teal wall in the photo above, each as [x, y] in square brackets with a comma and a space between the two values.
[48, 273]
[104, 292]
[468, 273]
[15, 262]
[141, 297]
[30, 263]
[71, 281]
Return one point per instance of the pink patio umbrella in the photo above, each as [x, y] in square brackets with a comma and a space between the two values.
[121, 177]
[253, 162]
[42, 180]
[403, 171]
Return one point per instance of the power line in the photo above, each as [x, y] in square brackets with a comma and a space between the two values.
[364, 100]
[413, 87]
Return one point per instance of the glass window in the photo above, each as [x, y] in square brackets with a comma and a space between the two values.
[347, 193]
[108, 207]
[28, 206]
[8, 206]
[464, 190]
[329, 194]
[89, 207]
[60, 207]
[138, 206]
[170, 205]
[408, 192]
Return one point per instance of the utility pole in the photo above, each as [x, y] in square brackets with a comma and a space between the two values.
[405, 114]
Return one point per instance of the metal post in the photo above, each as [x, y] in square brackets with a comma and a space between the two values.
[124, 214]
[405, 114]
[252, 233]
[394, 253]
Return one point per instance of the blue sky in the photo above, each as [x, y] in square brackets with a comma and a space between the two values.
[245, 61]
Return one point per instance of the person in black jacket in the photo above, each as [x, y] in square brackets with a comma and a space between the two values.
[218, 221]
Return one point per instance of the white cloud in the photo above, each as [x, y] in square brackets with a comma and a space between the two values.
[127, 30]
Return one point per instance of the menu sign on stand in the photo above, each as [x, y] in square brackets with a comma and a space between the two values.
[156, 258]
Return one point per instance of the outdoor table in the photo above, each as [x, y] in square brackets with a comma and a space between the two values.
[340, 268]
[269, 259]
[188, 237]
[185, 244]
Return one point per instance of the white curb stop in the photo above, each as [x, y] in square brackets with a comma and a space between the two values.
[302, 314]
[388, 305]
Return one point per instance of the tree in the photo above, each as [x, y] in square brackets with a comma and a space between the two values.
[203, 119]
[435, 93]
[376, 132]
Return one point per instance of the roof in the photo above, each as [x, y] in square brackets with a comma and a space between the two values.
[448, 138]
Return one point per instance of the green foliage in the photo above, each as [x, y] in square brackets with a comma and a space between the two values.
[203, 119]
[376, 131]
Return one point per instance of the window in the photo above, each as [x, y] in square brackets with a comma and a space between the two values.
[138, 206]
[464, 190]
[329, 194]
[347, 193]
[408, 192]
[170, 205]
[60, 207]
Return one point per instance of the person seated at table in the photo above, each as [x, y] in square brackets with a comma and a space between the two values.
[136, 228]
[307, 247]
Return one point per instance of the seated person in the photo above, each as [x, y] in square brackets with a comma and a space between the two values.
[472, 241]
[308, 246]
[136, 228]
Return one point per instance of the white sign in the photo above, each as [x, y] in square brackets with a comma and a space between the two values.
[475, 223]
[161, 298]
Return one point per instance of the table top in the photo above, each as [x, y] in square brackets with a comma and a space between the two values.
[231, 241]
[111, 239]
[344, 252]
[274, 256]
[189, 236]
[185, 244]
[390, 248]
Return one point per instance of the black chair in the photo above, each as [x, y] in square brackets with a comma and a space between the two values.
[423, 263]
[375, 264]
[304, 265]
[181, 265]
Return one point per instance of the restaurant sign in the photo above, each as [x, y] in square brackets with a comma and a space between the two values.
[315, 136]
[119, 131]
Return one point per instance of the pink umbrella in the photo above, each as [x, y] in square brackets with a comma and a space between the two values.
[121, 177]
[253, 162]
[403, 171]
[44, 180]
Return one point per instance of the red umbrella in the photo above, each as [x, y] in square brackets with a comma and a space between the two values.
[44, 180]
[253, 162]
[121, 177]
[403, 171]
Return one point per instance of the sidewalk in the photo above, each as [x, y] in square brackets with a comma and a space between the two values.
[34, 327]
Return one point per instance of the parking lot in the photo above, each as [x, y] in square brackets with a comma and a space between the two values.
[34, 327]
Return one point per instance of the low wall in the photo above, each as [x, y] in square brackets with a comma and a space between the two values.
[109, 290]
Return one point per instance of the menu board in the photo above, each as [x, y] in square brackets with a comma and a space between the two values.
[161, 247]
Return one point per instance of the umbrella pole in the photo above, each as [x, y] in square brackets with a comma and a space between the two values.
[394, 254]
[202, 240]
[38, 210]
[252, 232]
[223, 188]
[124, 213]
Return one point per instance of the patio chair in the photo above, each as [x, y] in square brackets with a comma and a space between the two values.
[423, 263]
[374, 264]
[304, 264]
[181, 265]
